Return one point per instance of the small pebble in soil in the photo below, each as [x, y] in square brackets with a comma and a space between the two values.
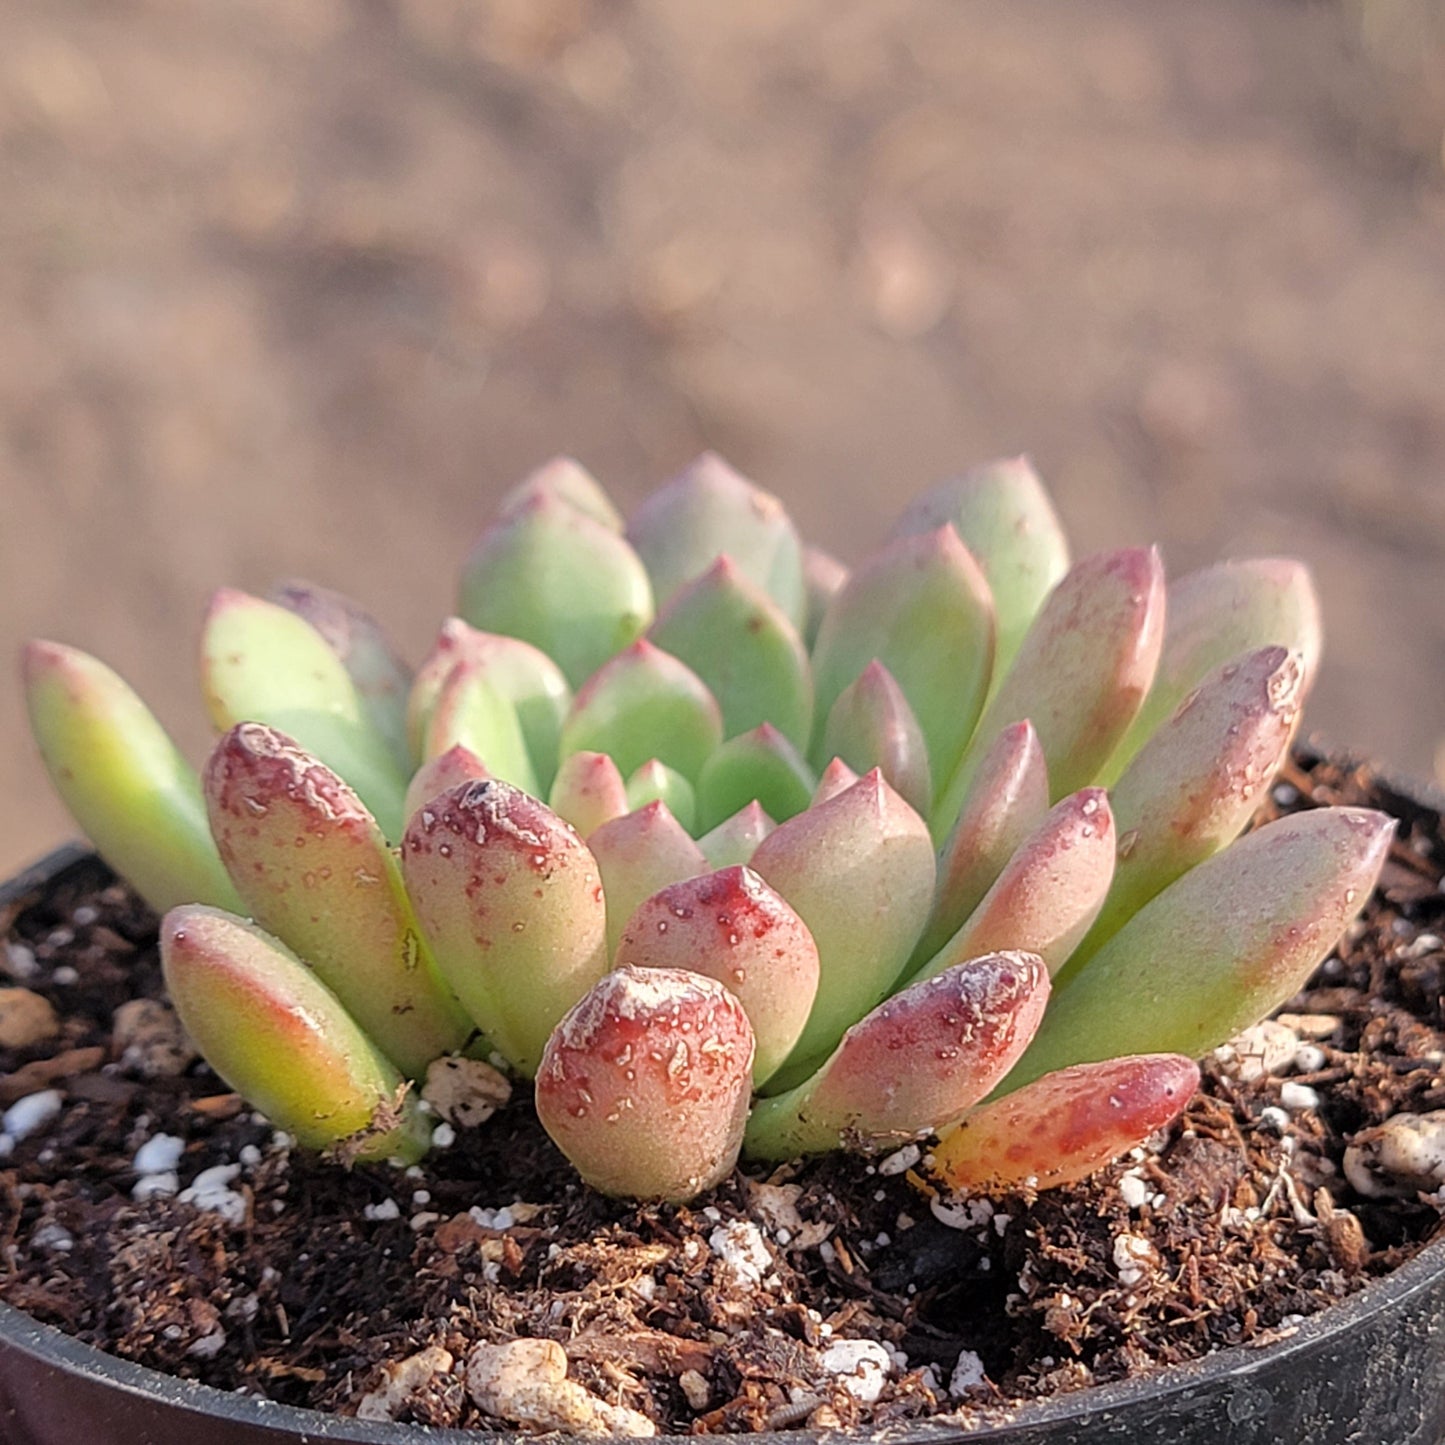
[742, 1251]
[26, 1018]
[968, 1373]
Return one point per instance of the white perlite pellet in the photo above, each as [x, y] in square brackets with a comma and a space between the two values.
[160, 1154]
[742, 1251]
[210, 1190]
[860, 1366]
[968, 1373]
[31, 1114]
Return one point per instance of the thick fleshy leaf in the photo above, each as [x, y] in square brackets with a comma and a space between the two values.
[471, 712]
[1006, 801]
[760, 766]
[736, 839]
[588, 791]
[644, 1085]
[743, 646]
[552, 576]
[859, 871]
[313, 868]
[511, 903]
[1216, 615]
[1198, 780]
[564, 480]
[655, 782]
[638, 854]
[447, 770]
[872, 726]
[922, 608]
[279, 1037]
[262, 663]
[1080, 675]
[731, 926]
[822, 577]
[1049, 892]
[1007, 521]
[707, 511]
[126, 784]
[1066, 1125]
[644, 704]
[381, 677]
[525, 676]
[913, 1066]
[1219, 948]
[836, 778]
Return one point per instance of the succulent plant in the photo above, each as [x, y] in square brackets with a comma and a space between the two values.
[729, 849]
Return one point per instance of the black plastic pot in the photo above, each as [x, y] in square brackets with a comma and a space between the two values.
[1370, 1371]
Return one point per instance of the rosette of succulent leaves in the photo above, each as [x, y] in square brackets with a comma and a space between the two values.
[727, 848]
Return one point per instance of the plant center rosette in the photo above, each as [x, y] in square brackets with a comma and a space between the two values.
[729, 850]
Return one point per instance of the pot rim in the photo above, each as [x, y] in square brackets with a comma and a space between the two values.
[1237, 1363]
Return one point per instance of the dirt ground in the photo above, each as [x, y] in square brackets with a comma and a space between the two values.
[297, 289]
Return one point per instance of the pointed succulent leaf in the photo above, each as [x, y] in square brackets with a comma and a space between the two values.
[922, 608]
[655, 782]
[731, 926]
[872, 726]
[553, 577]
[644, 1085]
[1066, 1125]
[709, 510]
[1006, 801]
[525, 676]
[1198, 780]
[822, 577]
[760, 766]
[313, 868]
[1007, 521]
[859, 871]
[510, 901]
[736, 839]
[125, 783]
[446, 770]
[638, 854]
[1080, 674]
[1215, 615]
[469, 710]
[279, 1037]
[742, 645]
[564, 480]
[836, 778]
[644, 704]
[1049, 892]
[588, 791]
[913, 1066]
[381, 677]
[263, 663]
[1220, 947]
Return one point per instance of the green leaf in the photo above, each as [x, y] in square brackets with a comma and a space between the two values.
[553, 577]
[872, 726]
[281, 1039]
[761, 766]
[313, 868]
[740, 643]
[655, 782]
[567, 481]
[125, 783]
[263, 663]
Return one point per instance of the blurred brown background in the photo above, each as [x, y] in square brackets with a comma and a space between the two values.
[296, 286]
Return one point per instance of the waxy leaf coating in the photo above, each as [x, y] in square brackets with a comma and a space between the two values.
[278, 1036]
[554, 577]
[914, 1065]
[1218, 949]
[732, 927]
[511, 902]
[645, 1084]
[313, 869]
[1066, 1125]
[262, 663]
[1006, 801]
[123, 779]
[858, 870]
